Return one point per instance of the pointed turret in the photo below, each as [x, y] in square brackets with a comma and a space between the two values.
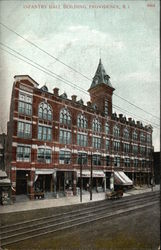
[101, 91]
[100, 76]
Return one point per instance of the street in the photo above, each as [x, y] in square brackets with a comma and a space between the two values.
[137, 230]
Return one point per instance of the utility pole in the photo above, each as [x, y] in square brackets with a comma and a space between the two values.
[91, 178]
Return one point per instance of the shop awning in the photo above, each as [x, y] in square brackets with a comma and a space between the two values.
[122, 179]
[95, 173]
[37, 172]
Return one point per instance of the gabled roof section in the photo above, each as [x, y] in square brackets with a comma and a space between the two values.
[24, 78]
[101, 76]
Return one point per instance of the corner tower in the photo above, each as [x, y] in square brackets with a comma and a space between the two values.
[101, 91]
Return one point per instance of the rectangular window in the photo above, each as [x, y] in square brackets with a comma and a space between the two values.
[65, 137]
[82, 158]
[23, 153]
[142, 150]
[117, 161]
[107, 160]
[135, 163]
[126, 147]
[64, 157]
[44, 155]
[96, 159]
[24, 130]
[82, 140]
[116, 146]
[135, 149]
[25, 104]
[44, 133]
[127, 162]
[107, 144]
[96, 142]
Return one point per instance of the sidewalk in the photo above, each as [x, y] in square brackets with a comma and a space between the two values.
[48, 203]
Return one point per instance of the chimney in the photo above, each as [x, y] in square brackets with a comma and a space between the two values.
[74, 98]
[89, 104]
[56, 91]
[120, 116]
[129, 119]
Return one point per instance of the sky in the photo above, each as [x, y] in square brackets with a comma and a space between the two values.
[125, 34]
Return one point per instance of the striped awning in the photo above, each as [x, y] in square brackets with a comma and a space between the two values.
[121, 178]
[95, 173]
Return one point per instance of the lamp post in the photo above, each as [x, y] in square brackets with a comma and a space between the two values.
[91, 177]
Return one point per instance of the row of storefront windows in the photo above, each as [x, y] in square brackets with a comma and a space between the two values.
[45, 113]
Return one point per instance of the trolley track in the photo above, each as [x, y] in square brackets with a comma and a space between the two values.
[106, 209]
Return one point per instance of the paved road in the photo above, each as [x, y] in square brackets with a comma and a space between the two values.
[139, 230]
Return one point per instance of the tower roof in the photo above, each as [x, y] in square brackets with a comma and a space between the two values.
[101, 76]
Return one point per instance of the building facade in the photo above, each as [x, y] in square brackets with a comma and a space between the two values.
[3, 138]
[50, 136]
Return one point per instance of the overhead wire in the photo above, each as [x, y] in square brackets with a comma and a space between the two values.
[60, 61]
[52, 74]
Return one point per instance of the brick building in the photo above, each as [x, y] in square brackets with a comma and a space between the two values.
[3, 137]
[50, 134]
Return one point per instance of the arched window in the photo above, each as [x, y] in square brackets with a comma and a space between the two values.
[96, 126]
[107, 128]
[126, 133]
[65, 117]
[81, 121]
[116, 131]
[45, 111]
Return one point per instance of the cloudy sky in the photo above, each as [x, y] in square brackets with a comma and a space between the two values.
[125, 34]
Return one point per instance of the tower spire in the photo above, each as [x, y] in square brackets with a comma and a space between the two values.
[101, 76]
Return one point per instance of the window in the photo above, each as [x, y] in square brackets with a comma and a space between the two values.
[96, 126]
[135, 149]
[65, 117]
[96, 142]
[135, 136]
[143, 163]
[24, 130]
[64, 157]
[44, 133]
[149, 152]
[142, 137]
[23, 153]
[127, 162]
[25, 104]
[117, 161]
[107, 128]
[116, 146]
[44, 155]
[107, 160]
[107, 144]
[82, 158]
[45, 111]
[81, 121]
[149, 139]
[126, 133]
[96, 159]
[142, 150]
[82, 140]
[65, 136]
[126, 147]
[106, 108]
[136, 163]
[116, 131]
